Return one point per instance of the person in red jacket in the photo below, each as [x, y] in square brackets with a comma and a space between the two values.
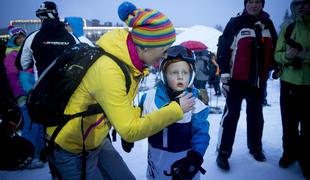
[245, 56]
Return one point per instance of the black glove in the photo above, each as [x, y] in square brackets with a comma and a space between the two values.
[186, 168]
[277, 73]
[127, 146]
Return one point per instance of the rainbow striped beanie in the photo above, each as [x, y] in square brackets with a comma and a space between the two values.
[150, 28]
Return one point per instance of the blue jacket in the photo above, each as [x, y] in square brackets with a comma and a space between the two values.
[190, 133]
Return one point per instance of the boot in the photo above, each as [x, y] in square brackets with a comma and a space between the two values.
[304, 168]
[258, 155]
[222, 162]
[286, 160]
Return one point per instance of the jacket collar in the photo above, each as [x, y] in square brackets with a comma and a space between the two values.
[135, 59]
[261, 16]
[53, 28]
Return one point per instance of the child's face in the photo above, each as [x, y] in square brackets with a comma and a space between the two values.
[19, 40]
[178, 75]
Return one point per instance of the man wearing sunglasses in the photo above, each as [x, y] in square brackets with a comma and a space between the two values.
[292, 52]
[248, 44]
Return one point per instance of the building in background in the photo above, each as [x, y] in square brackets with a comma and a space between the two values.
[93, 29]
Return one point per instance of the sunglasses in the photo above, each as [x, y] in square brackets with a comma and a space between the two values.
[300, 3]
[181, 52]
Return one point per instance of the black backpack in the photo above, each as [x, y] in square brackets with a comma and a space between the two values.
[48, 98]
[221, 50]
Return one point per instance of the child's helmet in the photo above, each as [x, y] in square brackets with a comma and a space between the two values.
[182, 53]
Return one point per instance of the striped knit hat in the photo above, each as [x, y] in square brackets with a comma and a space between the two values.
[150, 28]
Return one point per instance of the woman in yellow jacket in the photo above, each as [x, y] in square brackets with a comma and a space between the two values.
[151, 35]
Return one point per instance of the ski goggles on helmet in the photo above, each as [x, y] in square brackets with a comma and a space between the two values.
[180, 52]
[184, 54]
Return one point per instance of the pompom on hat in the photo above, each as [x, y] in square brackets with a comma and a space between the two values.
[150, 28]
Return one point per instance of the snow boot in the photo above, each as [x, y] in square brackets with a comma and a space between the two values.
[222, 162]
[286, 160]
[258, 155]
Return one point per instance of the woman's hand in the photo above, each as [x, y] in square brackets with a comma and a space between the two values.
[186, 101]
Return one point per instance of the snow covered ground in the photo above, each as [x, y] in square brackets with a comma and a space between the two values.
[243, 166]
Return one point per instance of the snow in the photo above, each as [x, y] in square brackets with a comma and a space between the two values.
[207, 35]
[243, 166]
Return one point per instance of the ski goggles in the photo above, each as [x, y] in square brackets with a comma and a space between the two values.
[17, 31]
[181, 52]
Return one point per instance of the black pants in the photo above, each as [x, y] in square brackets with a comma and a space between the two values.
[255, 121]
[14, 152]
[214, 81]
[295, 121]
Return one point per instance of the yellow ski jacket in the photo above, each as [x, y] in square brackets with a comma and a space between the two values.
[104, 83]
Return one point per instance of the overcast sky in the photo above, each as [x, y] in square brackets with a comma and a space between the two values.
[181, 12]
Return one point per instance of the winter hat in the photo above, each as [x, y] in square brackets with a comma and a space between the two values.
[76, 24]
[14, 32]
[293, 4]
[47, 10]
[263, 2]
[300, 1]
[150, 28]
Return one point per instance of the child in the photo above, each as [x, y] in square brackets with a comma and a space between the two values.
[31, 132]
[17, 37]
[177, 150]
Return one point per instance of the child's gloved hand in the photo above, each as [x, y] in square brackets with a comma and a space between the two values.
[187, 167]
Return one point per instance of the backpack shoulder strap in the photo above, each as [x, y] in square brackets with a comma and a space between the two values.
[96, 108]
[289, 40]
[289, 30]
[123, 67]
